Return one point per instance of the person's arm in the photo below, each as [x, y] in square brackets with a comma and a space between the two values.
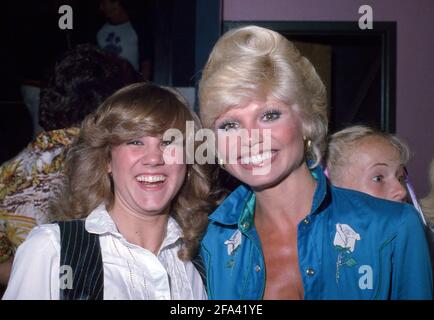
[5, 271]
[35, 270]
[6, 254]
[412, 277]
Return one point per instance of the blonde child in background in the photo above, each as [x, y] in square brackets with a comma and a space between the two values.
[367, 160]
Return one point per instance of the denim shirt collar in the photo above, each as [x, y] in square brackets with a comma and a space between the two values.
[229, 211]
[239, 207]
[321, 195]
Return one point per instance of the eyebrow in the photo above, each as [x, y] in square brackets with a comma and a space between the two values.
[378, 164]
[259, 110]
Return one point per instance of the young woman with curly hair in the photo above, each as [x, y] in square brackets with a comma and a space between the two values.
[148, 215]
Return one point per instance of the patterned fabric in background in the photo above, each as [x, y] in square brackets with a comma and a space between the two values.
[27, 182]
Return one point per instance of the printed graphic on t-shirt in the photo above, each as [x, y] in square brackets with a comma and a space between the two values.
[121, 40]
[113, 43]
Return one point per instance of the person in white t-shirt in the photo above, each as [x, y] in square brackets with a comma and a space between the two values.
[120, 36]
[148, 213]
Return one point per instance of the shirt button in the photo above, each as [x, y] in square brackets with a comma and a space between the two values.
[310, 271]
[257, 268]
[306, 221]
[246, 225]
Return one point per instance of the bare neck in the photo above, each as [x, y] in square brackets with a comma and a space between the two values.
[145, 231]
[289, 201]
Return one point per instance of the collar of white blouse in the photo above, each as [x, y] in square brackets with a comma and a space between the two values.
[100, 222]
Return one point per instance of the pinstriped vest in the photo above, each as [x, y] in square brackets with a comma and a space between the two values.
[81, 267]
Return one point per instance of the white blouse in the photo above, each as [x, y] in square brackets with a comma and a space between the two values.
[130, 271]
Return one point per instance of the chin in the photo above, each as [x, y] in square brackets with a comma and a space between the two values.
[154, 208]
[260, 182]
[154, 211]
[265, 185]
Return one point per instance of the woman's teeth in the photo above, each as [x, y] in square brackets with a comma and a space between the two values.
[151, 179]
[256, 159]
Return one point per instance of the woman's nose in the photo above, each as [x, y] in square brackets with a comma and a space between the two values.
[252, 136]
[153, 154]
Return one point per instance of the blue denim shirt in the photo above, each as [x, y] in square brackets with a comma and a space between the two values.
[350, 246]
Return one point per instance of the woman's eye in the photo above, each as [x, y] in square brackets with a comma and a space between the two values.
[230, 125]
[135, 143]
[271, 115]
[378, 178]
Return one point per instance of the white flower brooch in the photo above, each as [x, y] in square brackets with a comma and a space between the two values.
[345, 242]
[234, 242]
[345, 237]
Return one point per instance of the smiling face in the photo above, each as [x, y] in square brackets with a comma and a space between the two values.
[374, 167]
[261, 142]
[143, 183]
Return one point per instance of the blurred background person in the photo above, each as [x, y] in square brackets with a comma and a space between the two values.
[427, 203]
[427, 206]
[367, 160]
[81, 80]
[125, 36]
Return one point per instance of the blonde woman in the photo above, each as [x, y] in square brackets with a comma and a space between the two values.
[286, 233]
[142, 218]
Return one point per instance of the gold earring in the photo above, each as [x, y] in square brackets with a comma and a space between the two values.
[307, 142]
[221, 163]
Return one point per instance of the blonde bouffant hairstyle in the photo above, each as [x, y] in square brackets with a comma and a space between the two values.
[343, 143]
[256, 63]
[137, 110]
